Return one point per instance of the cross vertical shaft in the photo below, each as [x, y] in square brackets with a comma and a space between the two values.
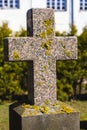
[44, 20]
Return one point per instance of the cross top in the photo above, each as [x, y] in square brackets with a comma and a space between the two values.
[42, 49]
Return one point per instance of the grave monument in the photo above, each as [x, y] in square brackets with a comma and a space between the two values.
[41, 49]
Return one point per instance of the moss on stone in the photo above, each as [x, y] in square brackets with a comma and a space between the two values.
[47, 102]
[45, 45]
[39, 83]
[45, 34]
[49, 61]
[15, 55]
[47, 108]
[49, 31]
[44, 109]
[48, 22]
[66, 109]
[67, 53]
[47, 52]
[45, 67]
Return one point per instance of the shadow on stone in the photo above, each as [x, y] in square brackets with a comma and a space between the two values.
[14, 119]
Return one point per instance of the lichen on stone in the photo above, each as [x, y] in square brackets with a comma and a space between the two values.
[47, 22]
[43, 34]
[47, 52]
[47, 107]
[66, 109]
[44, 109]
[49, 31]
[46, 45]
[39, 83]
[15, 55]
[67, 53]
[45, 67]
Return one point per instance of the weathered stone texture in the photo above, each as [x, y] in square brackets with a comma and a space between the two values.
[52, 122]
[62, 48]
[35, 21]
[22, 49]
[60, 121]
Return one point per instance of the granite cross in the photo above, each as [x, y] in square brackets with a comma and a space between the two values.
[42, 49]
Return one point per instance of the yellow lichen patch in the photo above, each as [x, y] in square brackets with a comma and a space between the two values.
[47, 22]
[57, 103]
[47, 101]
[45, 45]
[49, 31]
[26, 105]
[39, 83]
[45, 67]
[43, 34]
[30, 106]
[30, 113]
[35, 107]
[67, 53]
[47, 52]
[44, 109]
[49, 62]
[47, 107]
[67, 109]
[15, 55]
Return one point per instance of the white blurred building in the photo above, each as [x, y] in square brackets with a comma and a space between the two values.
[67, 12]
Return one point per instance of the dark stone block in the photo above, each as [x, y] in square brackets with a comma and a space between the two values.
[14, 118]
[83, 125]
[62, 121]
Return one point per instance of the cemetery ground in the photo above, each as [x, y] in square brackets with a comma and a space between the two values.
[4, 112]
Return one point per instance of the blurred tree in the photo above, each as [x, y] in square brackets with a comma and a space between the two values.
[22, 32]
[57, 33]
[12, 75]
[70, 74]
[82, 42]
[73, 31]
[5, 31]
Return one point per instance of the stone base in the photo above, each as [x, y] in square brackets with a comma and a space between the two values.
[62, 121]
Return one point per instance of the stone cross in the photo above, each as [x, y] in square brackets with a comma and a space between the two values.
[42, 49]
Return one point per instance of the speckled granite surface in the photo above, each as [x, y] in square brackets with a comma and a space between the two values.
[44, 49]
[37, 19]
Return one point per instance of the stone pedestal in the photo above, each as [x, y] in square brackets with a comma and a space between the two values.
[61, 121]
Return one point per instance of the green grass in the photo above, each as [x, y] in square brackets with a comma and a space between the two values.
[4, 116]
[82, 107]
[4, 112]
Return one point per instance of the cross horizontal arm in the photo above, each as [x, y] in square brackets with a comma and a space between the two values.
[21, 49]
[30, 48]
[65, 48]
